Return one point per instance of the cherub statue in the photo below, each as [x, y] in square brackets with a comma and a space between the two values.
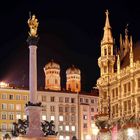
[33, 25]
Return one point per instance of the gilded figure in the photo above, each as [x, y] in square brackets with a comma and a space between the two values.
[33, 25]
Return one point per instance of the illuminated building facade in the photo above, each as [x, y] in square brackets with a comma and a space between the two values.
[119, 81]
[72, 112]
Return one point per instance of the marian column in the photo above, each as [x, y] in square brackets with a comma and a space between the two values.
[33, 109]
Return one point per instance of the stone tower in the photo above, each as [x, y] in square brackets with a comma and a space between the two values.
[106, 63]
[73, 79]
[107, 59]
[52, 76]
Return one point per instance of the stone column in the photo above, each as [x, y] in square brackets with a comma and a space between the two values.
[33, 109]
[33, 74]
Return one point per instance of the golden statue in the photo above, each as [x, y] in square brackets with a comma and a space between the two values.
[33, 25]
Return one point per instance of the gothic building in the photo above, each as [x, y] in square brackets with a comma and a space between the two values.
[119, 81]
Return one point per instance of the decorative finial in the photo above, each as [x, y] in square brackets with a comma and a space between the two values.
[107, 13]
[126, 29]
[33, 25]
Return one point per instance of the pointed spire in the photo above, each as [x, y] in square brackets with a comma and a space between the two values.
[131, 52]
[107, 37]
[118, 64]
[107, 24]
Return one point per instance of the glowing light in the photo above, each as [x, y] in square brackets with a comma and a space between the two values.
[3, 85]
[95, 129]
[130, 132]
[88, 137]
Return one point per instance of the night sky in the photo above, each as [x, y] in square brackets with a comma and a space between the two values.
[70, 33]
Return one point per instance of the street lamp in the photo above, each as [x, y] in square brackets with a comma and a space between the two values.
[95, 130]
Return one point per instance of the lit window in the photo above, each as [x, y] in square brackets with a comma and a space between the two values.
[4, 106]
[44, 117]
[11, 97]
[61, 118]
[72, 128]
[4, 96]
[11, 106]
[61, 137]
[11, 116]
[85, 117]
[67, 138]
[18, 116]
[11, 127]
[17, 97]
[52, 118]
[67, 128]
[18, 107]
[3, 115]
[3, 126]
[61, 128]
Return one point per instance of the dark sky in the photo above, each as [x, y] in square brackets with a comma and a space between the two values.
[70, 33]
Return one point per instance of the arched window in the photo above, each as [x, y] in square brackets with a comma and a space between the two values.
[56, 82]
[77, 85]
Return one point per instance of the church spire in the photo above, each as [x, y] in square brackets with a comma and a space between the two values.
[107, 37]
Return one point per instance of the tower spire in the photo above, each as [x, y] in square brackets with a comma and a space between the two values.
[131, 53]
[107, 24]
[107, 37]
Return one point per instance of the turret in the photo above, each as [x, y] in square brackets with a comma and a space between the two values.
[107, 58]
[52, 76]
[73, 79]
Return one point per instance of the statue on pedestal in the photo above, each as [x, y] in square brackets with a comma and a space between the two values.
[33, 25]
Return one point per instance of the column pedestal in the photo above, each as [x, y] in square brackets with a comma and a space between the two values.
[34, 114]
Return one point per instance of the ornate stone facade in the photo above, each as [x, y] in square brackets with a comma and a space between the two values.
[119, 81]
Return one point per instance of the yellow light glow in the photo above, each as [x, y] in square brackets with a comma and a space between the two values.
[130, 132]
[3, 85]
